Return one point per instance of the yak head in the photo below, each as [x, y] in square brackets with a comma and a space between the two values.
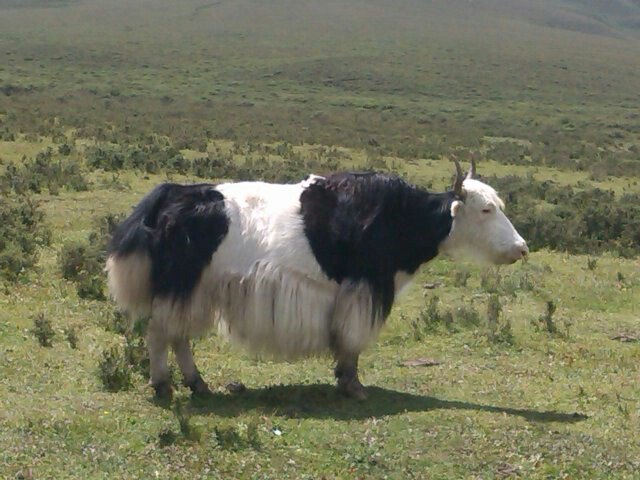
[480, 228]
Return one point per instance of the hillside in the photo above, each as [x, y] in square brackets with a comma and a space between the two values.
[417, 76]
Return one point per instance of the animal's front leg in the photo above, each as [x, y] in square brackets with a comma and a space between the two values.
[190, 373]
[354, 324]
[347, 376]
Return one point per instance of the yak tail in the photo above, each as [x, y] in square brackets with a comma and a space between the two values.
[129, 256]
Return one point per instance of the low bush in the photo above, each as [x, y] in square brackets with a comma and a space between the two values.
[588, 221]
[136, 354]
[498, 328]
[114, 371]
[43, 330]
[71, 334]
[546, 321]
[44, 172]
[22, 231]
[83, 262]
[238, 438]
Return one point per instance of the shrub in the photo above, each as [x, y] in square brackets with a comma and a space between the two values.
[113, 371]
[187, 431]
[213, 166]
[71, 335]
[498, 328]
[466, 315]
[238, 437]
[584, 221]
[516, 281]
[106, 158]
[116, 322]
[460, 278]
[546, 321]
[22, 231]
[490, 280]
[42, 172]
[429, 318]
[43, 330]
[136, 354]
[64, 149]
[83, 262]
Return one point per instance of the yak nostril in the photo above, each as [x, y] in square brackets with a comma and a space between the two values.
[520, 252]
[524, 249]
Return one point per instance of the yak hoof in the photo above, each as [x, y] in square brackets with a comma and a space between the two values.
[352, 388]
[163, 391]
[199, 388]
[236, 387]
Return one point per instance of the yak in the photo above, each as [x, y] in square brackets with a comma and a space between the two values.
[291, 270]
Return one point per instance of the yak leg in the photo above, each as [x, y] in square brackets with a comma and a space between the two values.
[190, 373]
[158, 346]
[353, 325]
[346, 372]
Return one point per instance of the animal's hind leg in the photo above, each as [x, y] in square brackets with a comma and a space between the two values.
[158, 346]
[346, 372]
[190, 373]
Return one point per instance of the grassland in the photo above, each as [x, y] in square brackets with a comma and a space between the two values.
[546, 92]
[531, 403]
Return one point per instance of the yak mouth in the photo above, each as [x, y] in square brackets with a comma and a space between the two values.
[514, 259]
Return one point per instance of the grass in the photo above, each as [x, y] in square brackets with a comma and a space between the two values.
[540, 404]
[527, 377]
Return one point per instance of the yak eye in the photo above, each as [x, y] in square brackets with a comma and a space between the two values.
[486, 210]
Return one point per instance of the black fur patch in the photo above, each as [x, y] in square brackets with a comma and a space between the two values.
[179, 227]
[369, 226]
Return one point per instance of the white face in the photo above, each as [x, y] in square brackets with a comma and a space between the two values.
[481, 231]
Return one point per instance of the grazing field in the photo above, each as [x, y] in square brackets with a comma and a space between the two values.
[527, 392]
[529, 371]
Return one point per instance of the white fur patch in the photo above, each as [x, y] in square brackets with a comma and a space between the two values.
[355, 322]
[129, 282]
[481, 193]
[455, 206]
[277, 311]
[270, 310]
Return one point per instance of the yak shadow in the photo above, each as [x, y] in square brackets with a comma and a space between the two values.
[323, 401]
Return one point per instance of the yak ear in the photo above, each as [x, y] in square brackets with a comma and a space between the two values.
[455, 206]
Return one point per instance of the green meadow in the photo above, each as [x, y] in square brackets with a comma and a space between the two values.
[525, 371]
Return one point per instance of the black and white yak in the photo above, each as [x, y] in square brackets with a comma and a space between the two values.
[291, 270]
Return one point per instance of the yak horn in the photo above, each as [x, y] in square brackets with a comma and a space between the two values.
[457, 184]
[472, 169]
